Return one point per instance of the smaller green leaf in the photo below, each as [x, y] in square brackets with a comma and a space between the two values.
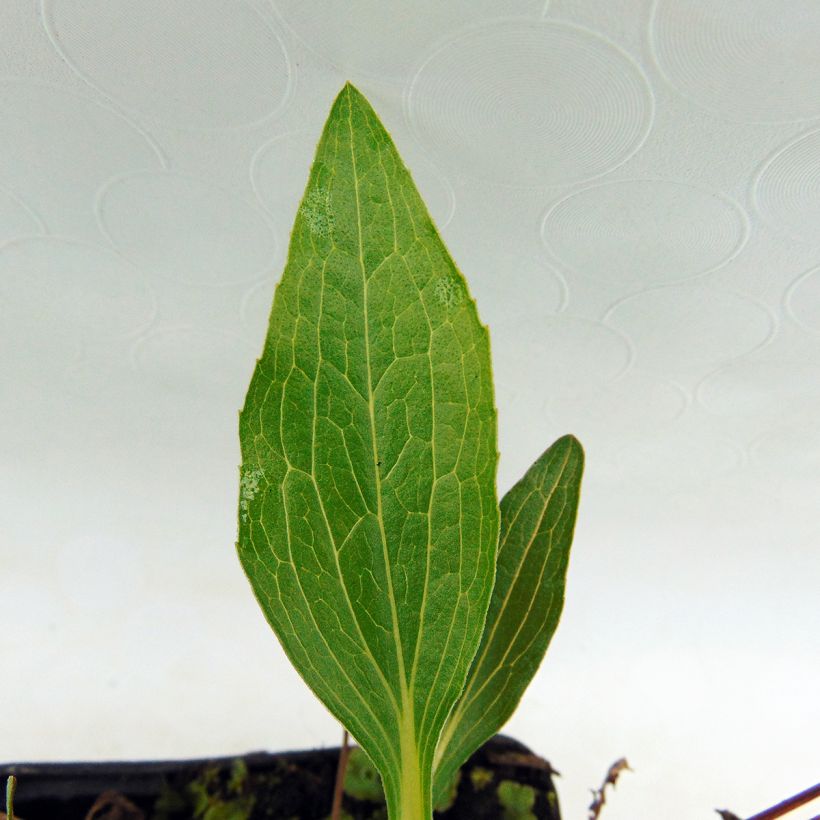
[537, 523]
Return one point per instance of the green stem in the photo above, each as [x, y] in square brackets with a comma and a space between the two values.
[413, 797]
[11, 785]
[414, 806]
[410, 801]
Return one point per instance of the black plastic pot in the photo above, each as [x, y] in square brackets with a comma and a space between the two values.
[502, 781]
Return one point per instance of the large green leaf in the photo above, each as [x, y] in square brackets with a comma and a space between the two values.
[368, 516]
[537, 524]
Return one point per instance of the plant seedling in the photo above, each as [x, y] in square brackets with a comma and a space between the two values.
[369, 528]
[11, 786]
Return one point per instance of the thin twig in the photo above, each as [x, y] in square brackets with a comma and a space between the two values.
[339, 788]
[784, 807]
[611, 779]
[111, 805]
[11, 787]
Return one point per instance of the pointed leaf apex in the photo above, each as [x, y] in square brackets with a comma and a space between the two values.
[351, 91]
[572, 442]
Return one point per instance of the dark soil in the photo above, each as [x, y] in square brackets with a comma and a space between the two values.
[502, 781]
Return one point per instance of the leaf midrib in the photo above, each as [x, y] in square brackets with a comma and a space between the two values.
[407, 704]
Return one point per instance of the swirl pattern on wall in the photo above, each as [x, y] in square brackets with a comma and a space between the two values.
[192, 63]
[530, 104]
[803, 300]
[644, 231]
[786, 190]
[46, 140]
[755, 62]
[720, 326]
[184, 229]
[376, 39]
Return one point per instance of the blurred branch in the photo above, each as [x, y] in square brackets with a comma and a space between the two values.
[111, 805]
[339, 788]
[611, 779]
[790, 804]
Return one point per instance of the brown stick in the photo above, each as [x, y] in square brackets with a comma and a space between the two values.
[339, 788]
[111, 805]
[599, 795]
[791, 803]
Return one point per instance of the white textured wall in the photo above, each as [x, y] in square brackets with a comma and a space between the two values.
[633, 191]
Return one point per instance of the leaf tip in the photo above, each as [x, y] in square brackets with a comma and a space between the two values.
[349, 99]
[571, 443]
[351, 92]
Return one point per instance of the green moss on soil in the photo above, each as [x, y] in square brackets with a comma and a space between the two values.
[480, 777]
[517, 800]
